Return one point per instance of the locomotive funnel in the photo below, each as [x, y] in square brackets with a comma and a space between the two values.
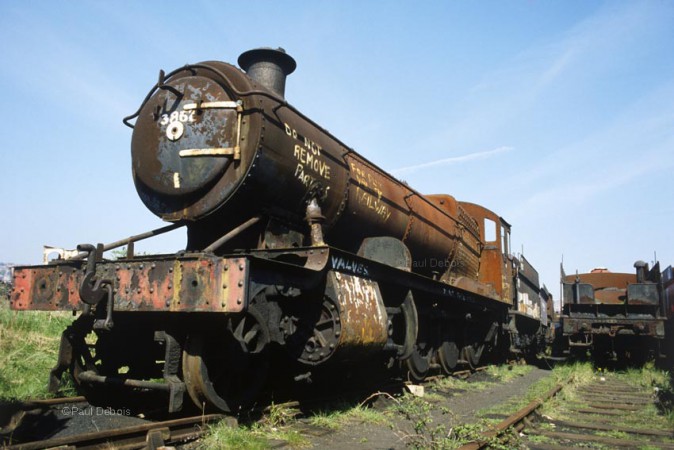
[269, 67]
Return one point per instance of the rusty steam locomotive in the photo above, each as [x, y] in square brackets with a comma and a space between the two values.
[624, 317]
[299, 250]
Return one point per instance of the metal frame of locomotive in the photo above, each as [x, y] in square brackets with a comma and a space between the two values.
[615, 315]
[297, 246]
[668, 303]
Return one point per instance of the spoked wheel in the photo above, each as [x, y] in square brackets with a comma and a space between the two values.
[419, 363]
[87, 357]
[85, 360]
[226, 371]
[448, 355]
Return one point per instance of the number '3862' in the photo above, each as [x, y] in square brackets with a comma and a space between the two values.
[177, 116]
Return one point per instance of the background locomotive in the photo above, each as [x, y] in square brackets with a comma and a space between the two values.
[301, 255]
[618, 316]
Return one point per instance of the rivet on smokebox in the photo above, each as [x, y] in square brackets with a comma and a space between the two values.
[240, 283]
[240, 266]
[238, 301]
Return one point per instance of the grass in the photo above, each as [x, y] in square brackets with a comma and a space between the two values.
[254, 436]
[646, 378]
[29, 342]
[279, 425]
[222, 435]
[508, 372]
[335, 419]
[459, 385]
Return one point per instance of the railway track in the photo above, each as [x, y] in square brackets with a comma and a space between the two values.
[149, 434]
[152, 435]
[23, 421]
[12, 414]
[606, 412]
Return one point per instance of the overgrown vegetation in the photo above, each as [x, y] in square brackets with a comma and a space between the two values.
[275, 426]
[429, 427]
[420, 422]
[343, 414]
[428, 422]
[647, 378]
[29, 342]
[508, 372]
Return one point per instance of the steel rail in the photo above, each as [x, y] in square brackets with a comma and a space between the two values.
[153, 435]
[613, 407]
[512, 420]
[12, 413]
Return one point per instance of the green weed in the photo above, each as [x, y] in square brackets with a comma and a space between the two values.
[29, 342]
[250, 437]
[508, 372]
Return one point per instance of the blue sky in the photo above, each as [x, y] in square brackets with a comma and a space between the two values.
[559, 116]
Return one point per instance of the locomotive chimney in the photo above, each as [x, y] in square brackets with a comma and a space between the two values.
[269, 67]
[642, 268]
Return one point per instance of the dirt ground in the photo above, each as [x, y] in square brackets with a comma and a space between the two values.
[449, 409]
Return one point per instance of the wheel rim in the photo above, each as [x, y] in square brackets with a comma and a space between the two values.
[419, 363]
[448, 354]
[227, 371]
[471, 355]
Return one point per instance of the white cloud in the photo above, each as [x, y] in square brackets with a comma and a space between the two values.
[452, 160]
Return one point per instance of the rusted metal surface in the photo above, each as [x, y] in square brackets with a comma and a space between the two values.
[168, 182]
[512, 420]
[303, 161]
[132, 239]
[269, 67]
[362, 312]
[51, 287]
[496, 269]
[603, 280]
[231, 234]
[528, 290]
[668, 289]
[224, 154]
[616, 315]
[184, 284]
[615, 326]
